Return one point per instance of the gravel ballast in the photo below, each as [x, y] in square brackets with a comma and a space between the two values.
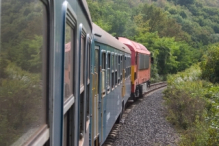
[146, 125]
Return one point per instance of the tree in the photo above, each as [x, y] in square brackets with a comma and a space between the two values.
[210, 65]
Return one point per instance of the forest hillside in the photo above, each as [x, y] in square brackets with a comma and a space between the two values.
[183, 36]
[177, 32]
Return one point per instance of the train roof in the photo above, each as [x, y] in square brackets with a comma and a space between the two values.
[84, 2]
[104, 37]
[137, 47]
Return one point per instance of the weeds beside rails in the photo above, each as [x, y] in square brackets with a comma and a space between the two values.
[193, 108]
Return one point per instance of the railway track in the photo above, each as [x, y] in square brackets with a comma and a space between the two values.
[129, 106]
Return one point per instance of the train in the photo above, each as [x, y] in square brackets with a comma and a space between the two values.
[64, 80]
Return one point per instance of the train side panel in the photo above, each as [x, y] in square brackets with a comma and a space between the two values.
[114, 84]
[48, 38]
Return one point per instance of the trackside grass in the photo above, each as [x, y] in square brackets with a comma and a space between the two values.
[193, 107]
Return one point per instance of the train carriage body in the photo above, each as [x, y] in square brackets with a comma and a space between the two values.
[46, 47]
[111, 83]
[63, 80]
[140, 67]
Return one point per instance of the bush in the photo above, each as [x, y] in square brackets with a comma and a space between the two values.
[193, 107]
[183, 108]
[210, 65]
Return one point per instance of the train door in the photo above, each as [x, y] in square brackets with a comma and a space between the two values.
[95, 99]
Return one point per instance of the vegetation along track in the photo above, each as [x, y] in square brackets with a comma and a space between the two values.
[130, 105]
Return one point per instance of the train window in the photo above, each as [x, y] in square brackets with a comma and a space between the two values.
[96, 69]
[143, 61]
[112, 74]
[112, 62]
[121, 65]
[116, 78]
[104, 61]
[118, 59]
[112, 82]
[96, 59]
[116, 64]
[136, 58]
[88, 60]
[82, 58]
[108, 71]
[23, 71]
[68, 127]
[68, 72]
[121, 68]
[69, 69]
[124, 62]
[103, 72]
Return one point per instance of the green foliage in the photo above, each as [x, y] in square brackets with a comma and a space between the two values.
[20, 92]
[21, 49]
[175, 31]
[193, 107]
[210, 65]
[170, 56]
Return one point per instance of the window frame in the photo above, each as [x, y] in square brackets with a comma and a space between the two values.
[42, 135]
[108, 88]
[68, 107]
[82, 32]
[103, 92]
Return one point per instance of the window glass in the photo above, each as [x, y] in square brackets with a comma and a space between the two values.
[108, 72]
[104, 61]
[121, 65]
[116, 78]
[112, 62]
[119, 60]
[108, 63]
[88, 60]
[82, 60]
[82, 116]
[96, 59]
[116, 62]
[103, 71]
[112, 81]
[96, 65]
[68, 72]
[22, 70]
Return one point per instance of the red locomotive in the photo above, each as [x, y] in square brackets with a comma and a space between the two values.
[140, 67]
